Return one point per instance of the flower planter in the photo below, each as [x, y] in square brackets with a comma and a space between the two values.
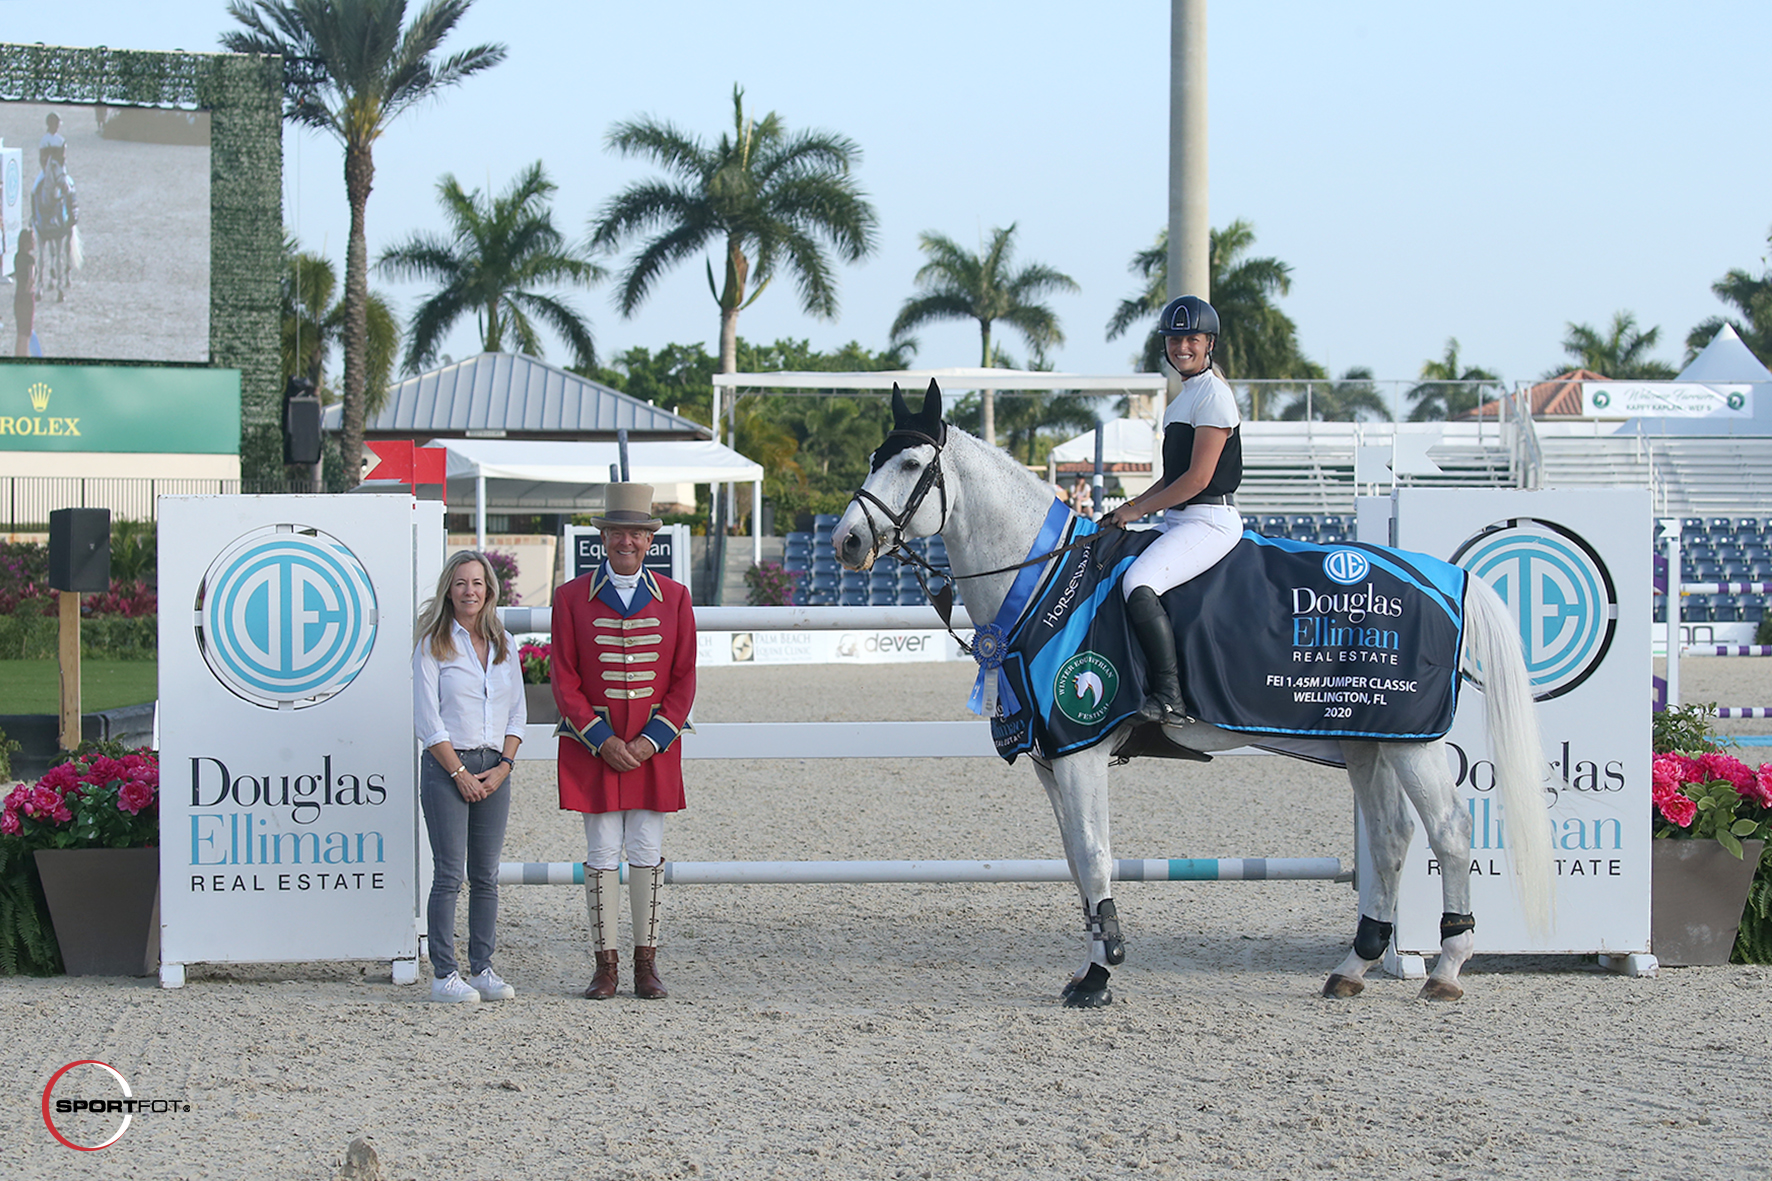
[540, 701]
[105, 904]
[1696, 898]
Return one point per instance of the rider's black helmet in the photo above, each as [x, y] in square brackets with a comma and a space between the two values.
[1188, 313]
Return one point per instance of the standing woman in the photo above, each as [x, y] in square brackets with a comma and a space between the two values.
[1202, 466]
[469, 713]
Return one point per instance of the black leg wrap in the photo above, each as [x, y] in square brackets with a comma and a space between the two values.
[1456, 924]
[1372, 938]
[1104, 928]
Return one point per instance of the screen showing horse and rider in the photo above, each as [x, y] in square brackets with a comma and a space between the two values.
[104, 232]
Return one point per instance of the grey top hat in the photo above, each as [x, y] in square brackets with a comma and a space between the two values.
[627, 506]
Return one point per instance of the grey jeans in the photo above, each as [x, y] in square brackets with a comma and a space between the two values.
[461, 832]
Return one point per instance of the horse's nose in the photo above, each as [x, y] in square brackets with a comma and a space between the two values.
[848, 547]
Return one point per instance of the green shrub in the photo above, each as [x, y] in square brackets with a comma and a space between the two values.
[109, 637]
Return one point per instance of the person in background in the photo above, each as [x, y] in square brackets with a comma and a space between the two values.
[1083, 498]
[1202, 467]
[624, 679]
[469, 713]
[24, 292]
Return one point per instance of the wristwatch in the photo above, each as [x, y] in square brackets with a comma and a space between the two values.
[507, 761]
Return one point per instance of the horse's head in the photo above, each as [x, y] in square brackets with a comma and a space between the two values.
[894, 503]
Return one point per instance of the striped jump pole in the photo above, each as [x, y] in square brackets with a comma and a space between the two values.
[757, 873]
[1726, 649]
[1744, 711]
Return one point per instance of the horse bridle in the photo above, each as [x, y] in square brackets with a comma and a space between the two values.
[931, 478]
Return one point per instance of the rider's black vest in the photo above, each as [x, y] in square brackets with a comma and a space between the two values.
[1178, 455]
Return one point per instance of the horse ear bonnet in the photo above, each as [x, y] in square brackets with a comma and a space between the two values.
[926, 421]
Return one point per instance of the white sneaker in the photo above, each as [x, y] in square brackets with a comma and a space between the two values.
[490, 987]
[452, 989]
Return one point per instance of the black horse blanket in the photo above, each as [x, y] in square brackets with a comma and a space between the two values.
[1281, 638]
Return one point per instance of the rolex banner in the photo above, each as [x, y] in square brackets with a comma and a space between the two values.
[1574, 569]
[288, 814]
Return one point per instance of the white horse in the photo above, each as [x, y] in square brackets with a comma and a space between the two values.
[929, 477]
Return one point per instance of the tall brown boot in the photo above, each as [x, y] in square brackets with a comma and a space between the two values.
[643, 884]
[647, 985]
[600, 891]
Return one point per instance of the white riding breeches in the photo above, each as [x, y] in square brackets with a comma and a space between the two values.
[637, 832]
[1194, 540]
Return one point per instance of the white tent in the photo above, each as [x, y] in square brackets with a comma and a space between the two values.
[533, 476]
[1124, 440]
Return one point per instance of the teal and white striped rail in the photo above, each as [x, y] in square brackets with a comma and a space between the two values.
[740, 873]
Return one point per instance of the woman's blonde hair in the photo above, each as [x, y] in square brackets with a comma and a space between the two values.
[438, 615]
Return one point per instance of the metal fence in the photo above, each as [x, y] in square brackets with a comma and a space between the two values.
[27, 501]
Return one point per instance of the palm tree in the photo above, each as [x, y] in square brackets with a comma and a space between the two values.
[1257, 341]
[313, 324]
[1339, 401]
[1437, 400]
[773, 200]
[498, 251]
[1618, 354]
[351, 67]
[959, 285]
[1753, 298]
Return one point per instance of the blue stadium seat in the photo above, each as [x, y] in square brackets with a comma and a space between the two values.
[1695, 608]
[822, 598]
[1723, 609]
[825, 522]
[1660, 611]
[912, 597]
[1751, 608]
[883, 596]
[1274, 526]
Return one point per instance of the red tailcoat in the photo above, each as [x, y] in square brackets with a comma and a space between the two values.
[622, 672]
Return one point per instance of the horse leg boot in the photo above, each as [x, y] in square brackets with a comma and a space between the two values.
[601, 887]
[643, 884]
[1150, 623]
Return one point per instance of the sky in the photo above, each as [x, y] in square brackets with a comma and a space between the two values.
[1486, 172]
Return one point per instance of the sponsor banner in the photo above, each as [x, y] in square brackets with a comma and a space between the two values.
[668, 556]
[288, 814]
[1665, 399]
[826, 647]
[119, 408]
[1572, 568]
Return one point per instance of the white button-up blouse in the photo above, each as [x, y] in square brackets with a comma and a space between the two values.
[458, 702]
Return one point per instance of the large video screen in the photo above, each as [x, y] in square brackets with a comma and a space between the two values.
[111, 208]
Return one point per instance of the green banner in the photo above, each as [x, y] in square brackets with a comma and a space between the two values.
[119, 408]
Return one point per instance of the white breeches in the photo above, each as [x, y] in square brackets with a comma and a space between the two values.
[636, 832]
[1194, 540]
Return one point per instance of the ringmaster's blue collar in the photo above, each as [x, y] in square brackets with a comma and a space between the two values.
[990, 640]
[603, 587]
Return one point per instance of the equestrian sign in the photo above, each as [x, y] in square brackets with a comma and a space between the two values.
[288, 813]
[1571, 566]
[1665, 399]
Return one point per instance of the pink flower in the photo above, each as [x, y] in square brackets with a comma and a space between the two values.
[1664, 775]
[1761, 793]
[1678, 809]
[9, 823]
[104, 770]
[1728, 768]
[63, 775]
[135, 796]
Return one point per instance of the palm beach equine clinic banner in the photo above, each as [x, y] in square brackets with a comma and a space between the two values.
[1574, 570]
[288, 820]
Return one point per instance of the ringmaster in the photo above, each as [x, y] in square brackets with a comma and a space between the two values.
[624, 679]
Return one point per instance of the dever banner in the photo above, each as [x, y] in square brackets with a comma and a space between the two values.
[1573, 568]
[288, 815]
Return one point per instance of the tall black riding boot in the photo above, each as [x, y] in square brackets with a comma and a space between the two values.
[1150, 623]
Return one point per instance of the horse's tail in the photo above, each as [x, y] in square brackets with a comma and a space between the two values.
[1492, 653]
[76, 256]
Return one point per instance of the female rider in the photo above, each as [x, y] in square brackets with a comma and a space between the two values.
[1202, 466]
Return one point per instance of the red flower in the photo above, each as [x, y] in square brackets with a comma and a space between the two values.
[60, 776]
[105, 770]
[1761, 793]
[9, 823]
[1715, 765]
[1679, 810]
[1664, 775]
[135, 795]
